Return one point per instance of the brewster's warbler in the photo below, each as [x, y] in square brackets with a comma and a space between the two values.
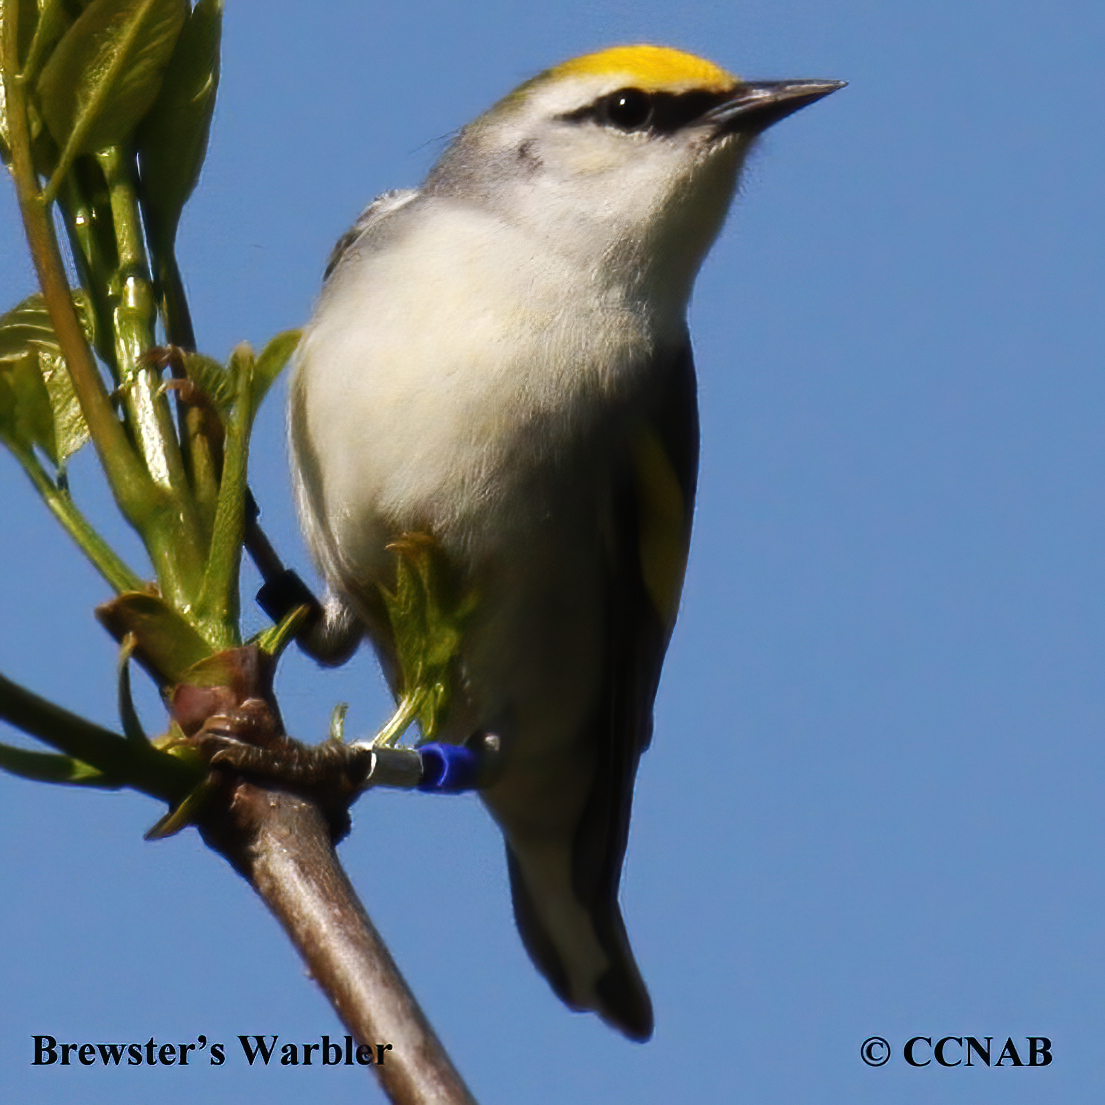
[499, 363]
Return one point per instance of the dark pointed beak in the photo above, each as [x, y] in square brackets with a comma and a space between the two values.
[757, 105]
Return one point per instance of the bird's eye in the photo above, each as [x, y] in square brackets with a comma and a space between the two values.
[628, 109]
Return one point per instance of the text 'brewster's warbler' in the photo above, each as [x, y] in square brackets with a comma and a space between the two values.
[500, 366]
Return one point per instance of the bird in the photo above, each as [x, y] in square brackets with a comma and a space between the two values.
[499, 362]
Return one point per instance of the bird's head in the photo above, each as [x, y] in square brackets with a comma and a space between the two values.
[630, 154]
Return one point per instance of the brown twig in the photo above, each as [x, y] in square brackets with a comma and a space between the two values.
[281, 844]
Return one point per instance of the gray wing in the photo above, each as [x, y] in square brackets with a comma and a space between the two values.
[638, 632]
[381, 206]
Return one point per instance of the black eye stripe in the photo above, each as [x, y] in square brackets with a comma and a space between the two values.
[657, 112]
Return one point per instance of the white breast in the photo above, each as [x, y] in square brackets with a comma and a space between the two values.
[441, 366]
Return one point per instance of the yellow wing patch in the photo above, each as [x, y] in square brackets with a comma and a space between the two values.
[651, 68]
[662, 525]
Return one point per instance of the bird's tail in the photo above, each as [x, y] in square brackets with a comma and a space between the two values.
[580, 947]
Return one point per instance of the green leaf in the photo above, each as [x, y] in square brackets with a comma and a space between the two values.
[128, 714]
[239, 364]
[276, 638]
[212, 380]
[172, 138]
[337, 722]
[53, 22]
[50, 767]
[26, 324]
[29, 347]
[271, 363]
[69, 734]
[70, 428]
[427, 620]
[106, 72]
[29, 323]
[91, 754]
[184, 813]
[164, 642]
[25, 416]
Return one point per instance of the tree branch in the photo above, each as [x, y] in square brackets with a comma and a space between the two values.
[282, 845]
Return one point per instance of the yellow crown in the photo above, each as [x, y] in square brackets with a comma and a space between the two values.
[651, 68]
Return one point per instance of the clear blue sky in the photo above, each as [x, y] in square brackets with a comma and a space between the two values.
[874, 800]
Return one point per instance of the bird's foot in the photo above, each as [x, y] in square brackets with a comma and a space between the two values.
[230, 740]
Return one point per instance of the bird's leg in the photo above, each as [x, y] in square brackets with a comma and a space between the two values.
[224, 711]
[325, 634]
